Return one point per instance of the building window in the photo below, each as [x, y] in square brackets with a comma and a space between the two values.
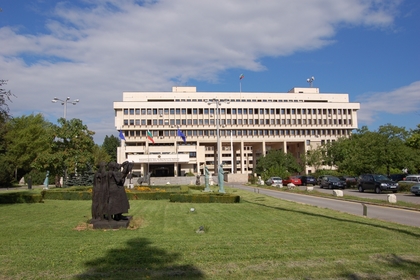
[125, 111]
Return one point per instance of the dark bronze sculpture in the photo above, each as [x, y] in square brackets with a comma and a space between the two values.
[109, 200]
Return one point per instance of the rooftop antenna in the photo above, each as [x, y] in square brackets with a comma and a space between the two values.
[310, 80]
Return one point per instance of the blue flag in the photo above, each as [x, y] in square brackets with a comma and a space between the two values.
[122, 137]
[180, 134]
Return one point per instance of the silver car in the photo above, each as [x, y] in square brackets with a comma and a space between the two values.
[274, 181]
[415, 189]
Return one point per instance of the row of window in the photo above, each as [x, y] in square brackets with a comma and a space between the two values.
[241, 100]
[184, 122]
[241, 132]
[233, 111]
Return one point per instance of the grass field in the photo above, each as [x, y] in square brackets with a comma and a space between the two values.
[259, 238]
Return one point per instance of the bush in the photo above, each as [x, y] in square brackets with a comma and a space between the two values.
[405, 186]
[20, 197]
[205, 198]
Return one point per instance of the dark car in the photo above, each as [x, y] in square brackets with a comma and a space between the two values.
[377, 182]
[332, 182]
[397, 177]
[415, 189]
[350, 180]
[308, 180]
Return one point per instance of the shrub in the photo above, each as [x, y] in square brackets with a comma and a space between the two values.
[20, 197]
[205, 198]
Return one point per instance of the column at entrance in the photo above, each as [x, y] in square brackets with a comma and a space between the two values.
[243, 158]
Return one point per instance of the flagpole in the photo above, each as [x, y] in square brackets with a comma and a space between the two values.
[231, 151]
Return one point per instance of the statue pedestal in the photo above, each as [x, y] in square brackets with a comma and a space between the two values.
[112, 224]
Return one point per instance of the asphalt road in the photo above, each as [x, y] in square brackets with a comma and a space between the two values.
[407, 197]
[396, 215]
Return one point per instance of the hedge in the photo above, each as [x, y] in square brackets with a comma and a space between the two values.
[20, 197]
[205, 198]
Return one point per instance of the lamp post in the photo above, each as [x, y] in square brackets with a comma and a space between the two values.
[64, 102]
[219, 157]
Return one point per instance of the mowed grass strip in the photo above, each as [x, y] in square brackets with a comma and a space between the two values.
[259, 238]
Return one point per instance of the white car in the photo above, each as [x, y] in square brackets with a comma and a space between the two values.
[274, 181]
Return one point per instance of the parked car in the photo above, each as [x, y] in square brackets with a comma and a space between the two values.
[332, 182]
[415, 189]
[274, 181]
[397, 177]
[308, 180]
[377, 183]
[292, 179]
[350, 180]
[414, 178]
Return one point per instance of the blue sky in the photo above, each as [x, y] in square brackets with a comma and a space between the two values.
[93, 50]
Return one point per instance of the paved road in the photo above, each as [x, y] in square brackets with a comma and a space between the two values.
[396, 215]
[407, 197]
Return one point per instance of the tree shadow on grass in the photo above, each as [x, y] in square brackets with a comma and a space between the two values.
[390, 227]
[404, 264]
[139, 260]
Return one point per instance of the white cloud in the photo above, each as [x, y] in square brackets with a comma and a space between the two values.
[96, 53]
[399, 101]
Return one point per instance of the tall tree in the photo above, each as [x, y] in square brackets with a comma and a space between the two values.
[314, 157]
[71, 149]
[6, 172]
[5, 96]
[110, 145]
[394, 152]
[277, 163]
[27, 137]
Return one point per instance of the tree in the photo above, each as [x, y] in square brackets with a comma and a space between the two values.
[314, 157]
[6, 172]
[277, 163]
[100, 155]
[110, 145]
[71, 149]
[4, 97]
[27, 137]
[394, 152]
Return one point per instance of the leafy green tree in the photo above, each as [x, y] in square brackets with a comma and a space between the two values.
[6, 170]
[110, 145]
[413, 141]
[393, 151]
[277, 163]
[27, 137]
[71, 149]
[5, 96]
[314, 157]
[100, 155]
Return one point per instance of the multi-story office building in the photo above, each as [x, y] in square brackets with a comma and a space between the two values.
[250, 125]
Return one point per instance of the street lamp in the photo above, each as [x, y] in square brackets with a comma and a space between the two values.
[64, 102]
[219, 157]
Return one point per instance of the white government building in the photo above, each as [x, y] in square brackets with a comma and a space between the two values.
[251, 124]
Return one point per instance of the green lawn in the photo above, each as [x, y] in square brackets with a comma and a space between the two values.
[259, 238]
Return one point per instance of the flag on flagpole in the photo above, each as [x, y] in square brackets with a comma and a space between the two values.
[150, 137]
[241, 76]
[122, 137]
[182, 135]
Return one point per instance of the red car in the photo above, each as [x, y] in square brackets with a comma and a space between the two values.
[292, 179]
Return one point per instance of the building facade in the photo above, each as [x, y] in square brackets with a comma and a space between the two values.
[248, 124]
